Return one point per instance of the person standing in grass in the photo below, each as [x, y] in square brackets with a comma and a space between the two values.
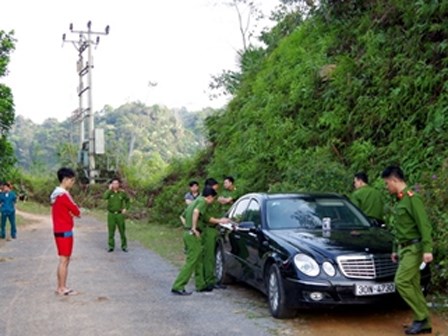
[117, 205]
[63, 209]
[8, 200]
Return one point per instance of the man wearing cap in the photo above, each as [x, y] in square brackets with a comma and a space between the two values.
[413, 246]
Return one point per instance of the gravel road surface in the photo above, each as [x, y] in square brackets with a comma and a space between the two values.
[129, 294]
[119, 293]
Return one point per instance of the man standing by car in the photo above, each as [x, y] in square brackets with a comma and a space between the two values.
[229, 194]
[194, 225]
[367, 198]
[209, 237]
[414, 246]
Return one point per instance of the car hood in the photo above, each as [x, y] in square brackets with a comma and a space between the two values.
[338, 242]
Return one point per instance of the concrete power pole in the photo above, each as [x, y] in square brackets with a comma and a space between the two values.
[85, 42]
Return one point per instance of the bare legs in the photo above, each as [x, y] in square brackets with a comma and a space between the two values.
[62, 273]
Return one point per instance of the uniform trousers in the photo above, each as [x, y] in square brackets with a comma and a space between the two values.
[115, 220]
[193, 263]
[209, 260]
[407, 281]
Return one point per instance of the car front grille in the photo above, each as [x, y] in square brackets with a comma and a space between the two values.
[366, 266]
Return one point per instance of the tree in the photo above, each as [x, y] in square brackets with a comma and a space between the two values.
[7, 44]
[247, 13]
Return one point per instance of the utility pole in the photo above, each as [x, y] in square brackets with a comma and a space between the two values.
[85, 42]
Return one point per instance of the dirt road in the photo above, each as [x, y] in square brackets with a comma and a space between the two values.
[120, 293]
[129, 294]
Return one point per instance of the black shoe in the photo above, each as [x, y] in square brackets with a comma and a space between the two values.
[206, 289]
[110, 250]
[182, 292]
[419, 327]
[219, 286]
[125, 249]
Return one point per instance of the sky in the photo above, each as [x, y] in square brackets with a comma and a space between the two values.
[177, 44]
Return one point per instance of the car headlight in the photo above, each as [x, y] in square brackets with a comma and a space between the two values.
[306, 265]
[328, 268]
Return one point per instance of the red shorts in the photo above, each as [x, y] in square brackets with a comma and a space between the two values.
[64, 245]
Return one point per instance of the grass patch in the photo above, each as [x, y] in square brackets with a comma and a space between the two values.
[33, 207]
[166, 241]
[20, 221]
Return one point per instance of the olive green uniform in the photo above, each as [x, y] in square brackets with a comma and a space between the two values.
[226, 194]
[117, 201]
[209, 238]
[412, 231]
[193, 246]
[211, 235]
[370, 201]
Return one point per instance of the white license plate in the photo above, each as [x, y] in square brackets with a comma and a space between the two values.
[374, 289]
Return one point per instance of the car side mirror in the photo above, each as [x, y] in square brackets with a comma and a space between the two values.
[246, 226]
[377, 223]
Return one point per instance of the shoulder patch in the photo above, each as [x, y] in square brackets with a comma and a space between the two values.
[410, 193]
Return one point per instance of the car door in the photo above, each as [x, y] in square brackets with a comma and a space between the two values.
[252, 240]
[236, 247]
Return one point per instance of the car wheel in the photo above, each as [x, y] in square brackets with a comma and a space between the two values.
[220, 267]
[276, 294]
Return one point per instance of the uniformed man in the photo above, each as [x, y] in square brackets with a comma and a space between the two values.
[367, 198]
[117, 204]
[209, 238]
[194, 226]
[229, 194]
[413, 246]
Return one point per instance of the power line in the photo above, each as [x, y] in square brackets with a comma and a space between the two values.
[85, 42]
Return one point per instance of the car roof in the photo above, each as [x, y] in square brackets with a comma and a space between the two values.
[268, 196]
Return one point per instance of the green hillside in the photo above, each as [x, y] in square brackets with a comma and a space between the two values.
[358, 85]
[354, 87]
[135, 134]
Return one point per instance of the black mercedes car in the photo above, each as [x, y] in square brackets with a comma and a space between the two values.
[307, 249]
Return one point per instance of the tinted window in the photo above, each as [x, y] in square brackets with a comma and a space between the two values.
[253, 213]
[307, 213]
[238, 212]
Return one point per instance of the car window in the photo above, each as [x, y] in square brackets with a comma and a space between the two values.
[238, 211]
[253, 213]
[307, 213]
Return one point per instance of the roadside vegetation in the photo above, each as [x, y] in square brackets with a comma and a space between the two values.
[338, 87]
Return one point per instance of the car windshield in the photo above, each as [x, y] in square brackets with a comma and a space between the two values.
[310, 213]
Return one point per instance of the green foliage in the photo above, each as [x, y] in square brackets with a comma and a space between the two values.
[432, 185]
[140, 141]
[355, 85]
[7, 45]
[166, 199]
